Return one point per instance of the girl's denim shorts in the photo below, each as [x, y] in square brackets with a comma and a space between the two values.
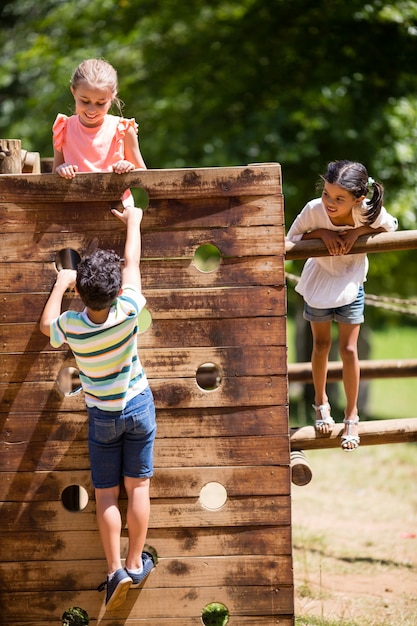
[121, 444]
[352, 313]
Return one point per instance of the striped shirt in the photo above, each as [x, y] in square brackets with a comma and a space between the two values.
[106, 354]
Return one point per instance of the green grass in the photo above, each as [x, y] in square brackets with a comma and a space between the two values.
[215, 614]
[356, 519]
[354, 543]
[75, 617]
[393, 397]
[389, 398]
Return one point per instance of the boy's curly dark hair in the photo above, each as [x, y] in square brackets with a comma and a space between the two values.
[99, 279]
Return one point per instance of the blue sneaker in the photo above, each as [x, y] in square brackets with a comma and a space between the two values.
[148, 565]
[117, 589]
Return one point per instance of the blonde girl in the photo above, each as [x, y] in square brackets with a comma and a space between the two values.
[92, 140]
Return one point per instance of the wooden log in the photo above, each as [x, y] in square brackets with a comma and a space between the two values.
[47, 165]
[10, 160]
[301, 473]
[371, 433]
[381, 242]
[400, 368]
[31, 162]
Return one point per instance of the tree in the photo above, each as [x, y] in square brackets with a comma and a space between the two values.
[232, 82]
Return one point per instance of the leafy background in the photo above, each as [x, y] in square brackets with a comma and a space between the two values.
[231, 82]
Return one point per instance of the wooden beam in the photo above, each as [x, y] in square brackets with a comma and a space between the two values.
[395, 368]
[381, 242]
[187, 183]
[10, 156]
[371, 433]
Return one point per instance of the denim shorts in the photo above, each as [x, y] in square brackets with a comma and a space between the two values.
[121, 444]
[352, 313]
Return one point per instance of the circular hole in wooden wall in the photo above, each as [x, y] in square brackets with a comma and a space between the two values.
[215, 614]
[68, 381]
[144, 320]
[213, 496]
[75, 616]
[152, 551]
[67, 259]
[141, 197]
[207, 258]
[74, 498]
[208, 376]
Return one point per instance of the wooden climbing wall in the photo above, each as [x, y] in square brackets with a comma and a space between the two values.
[220, 496]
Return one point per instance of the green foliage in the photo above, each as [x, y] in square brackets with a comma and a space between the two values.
[393, 397]
[215, 614]
[328, 561]
[75, 617]
[231, 82]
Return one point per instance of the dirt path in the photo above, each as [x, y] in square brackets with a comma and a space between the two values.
[355, 537]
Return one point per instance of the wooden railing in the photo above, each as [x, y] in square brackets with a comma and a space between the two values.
[380, 242]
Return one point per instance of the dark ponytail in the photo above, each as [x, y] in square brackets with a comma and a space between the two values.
[375, 203]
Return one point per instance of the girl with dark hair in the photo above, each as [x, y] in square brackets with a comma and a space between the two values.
[332, 286]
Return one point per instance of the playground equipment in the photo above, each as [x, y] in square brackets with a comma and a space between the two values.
[371, 433]
[215, 355]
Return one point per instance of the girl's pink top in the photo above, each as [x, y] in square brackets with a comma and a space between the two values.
[92, 149]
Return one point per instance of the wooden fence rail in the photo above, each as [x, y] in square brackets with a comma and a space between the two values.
[381, 242]
[395, 368]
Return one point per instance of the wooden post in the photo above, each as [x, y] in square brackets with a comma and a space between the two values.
[10, 160]
[31, 162]
[301, 473]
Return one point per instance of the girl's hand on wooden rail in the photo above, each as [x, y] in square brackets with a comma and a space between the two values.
[121, 167]
[66, 170]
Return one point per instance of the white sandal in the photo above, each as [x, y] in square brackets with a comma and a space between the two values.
[348, 438]
[321, 425]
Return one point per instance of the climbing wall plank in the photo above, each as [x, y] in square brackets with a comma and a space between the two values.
[231, 431]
